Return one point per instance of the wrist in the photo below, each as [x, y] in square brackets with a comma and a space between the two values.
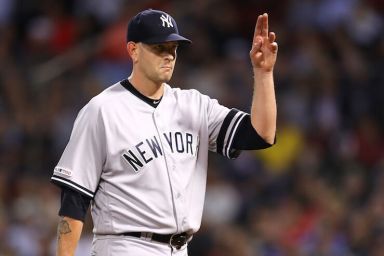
[258, 72]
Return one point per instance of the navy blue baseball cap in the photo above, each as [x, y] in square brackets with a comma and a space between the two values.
[153, 27]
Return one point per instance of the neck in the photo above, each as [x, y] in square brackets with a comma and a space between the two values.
[147, 87]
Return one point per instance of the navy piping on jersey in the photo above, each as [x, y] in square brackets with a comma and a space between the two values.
[127, 85]
[224, 126]
[231, 133]
[227, 133]
[68, 183]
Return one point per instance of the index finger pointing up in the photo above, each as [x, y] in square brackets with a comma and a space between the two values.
[258, 27]
[261, 28]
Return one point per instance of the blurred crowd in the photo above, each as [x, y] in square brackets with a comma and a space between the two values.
[318, 192]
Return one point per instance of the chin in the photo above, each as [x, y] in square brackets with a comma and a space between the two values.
[166, 79]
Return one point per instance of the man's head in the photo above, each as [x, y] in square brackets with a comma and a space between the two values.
[152, 41]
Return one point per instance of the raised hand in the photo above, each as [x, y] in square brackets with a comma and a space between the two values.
[264, 48]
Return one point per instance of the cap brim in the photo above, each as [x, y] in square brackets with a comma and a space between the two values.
[168, 38]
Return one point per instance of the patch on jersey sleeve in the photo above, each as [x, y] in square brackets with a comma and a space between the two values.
[62, 171]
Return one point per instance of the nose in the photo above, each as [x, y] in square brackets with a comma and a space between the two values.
[170, 55]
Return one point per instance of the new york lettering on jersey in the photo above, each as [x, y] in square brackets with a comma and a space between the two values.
[137, 156]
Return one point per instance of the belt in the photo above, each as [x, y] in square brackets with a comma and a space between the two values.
[175, 240]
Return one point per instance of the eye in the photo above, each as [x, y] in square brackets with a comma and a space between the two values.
[158, 48]
[164, 48]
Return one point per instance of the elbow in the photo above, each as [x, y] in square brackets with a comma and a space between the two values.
[266, 130]
[268, 135]
[268, 138]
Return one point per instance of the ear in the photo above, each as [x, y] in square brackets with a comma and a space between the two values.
[132, 50]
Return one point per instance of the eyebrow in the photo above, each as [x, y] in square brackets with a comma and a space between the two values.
[163, 47]
[166, 45]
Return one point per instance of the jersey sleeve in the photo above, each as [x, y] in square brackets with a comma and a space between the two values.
[222, 126]
[246, 137]
[81, 163]
[227, 132]
[74, 204]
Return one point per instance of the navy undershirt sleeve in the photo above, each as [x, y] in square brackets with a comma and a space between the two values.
[74, 204]
[246, 138]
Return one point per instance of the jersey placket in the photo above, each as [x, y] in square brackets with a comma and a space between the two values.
[169, 166]
[179, 196]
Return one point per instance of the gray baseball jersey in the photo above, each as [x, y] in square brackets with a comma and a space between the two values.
[146, 167]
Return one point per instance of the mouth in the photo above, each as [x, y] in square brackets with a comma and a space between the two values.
[167, 68]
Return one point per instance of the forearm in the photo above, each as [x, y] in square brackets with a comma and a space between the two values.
[68, 235]
[264, 110]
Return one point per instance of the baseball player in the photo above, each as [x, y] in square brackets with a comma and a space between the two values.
[138, 151]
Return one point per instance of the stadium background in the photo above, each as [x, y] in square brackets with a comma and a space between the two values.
[319, 191]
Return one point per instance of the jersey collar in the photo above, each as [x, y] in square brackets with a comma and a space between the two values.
[127, 85]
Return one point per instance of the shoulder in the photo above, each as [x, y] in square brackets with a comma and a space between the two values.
[187, 94]
[100, 105]
[106, 99]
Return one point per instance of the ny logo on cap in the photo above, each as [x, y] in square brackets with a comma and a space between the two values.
[166, 19]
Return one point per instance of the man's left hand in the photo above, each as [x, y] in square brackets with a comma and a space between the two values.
[264, 48]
